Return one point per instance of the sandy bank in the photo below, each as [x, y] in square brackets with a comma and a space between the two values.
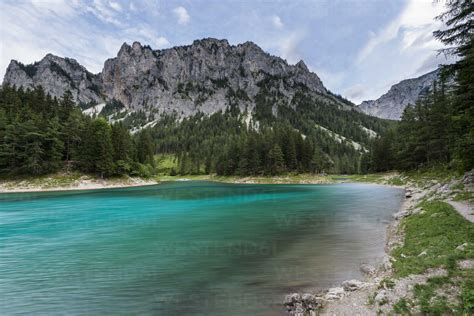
[70, 183]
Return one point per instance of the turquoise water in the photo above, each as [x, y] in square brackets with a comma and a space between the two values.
[185, 248]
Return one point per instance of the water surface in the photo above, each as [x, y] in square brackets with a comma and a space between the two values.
[185, 248]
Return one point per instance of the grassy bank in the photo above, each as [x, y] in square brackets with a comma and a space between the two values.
[437, 238]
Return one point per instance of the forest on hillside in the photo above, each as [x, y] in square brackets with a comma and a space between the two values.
[41, 135]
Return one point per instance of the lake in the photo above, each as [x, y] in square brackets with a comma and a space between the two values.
[186, 248]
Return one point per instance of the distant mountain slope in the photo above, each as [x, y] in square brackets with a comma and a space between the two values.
[391, 104]
[206, 76]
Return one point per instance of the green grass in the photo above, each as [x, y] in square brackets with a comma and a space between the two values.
[430, 302]
[386, 283]
[369, 178]
[402, 307]
[395, 181]
[438, 231]
[464, 196]
[165, 164]
[440, 174]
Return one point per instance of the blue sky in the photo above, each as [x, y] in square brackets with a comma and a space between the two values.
[359, 48]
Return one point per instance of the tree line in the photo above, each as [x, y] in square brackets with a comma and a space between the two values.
[40, 134]
[439, 128]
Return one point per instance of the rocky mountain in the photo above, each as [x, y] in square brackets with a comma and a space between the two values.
[391, 104]
[206, 76]
[56, 75]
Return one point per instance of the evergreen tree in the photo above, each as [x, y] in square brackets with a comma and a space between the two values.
[275, 161]
[145, 147]
[458, 36]
[122, 148]
[103, 149]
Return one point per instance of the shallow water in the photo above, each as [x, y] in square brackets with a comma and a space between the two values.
[185, 248]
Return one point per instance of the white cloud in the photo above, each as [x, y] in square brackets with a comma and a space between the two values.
[355, 92]
[276, 21]
[404, 48]
[182, 15]
[104, 12]
[162, 42]
[415, 21]
[30, 30]
[288, 47]
[115, 5]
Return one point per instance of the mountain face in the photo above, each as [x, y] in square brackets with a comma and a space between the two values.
[391, 104]
[207, 76]
[56, 75]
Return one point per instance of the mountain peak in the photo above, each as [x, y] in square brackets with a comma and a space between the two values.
[302, 65]
[206, 76]
[211, 41]
[392, 104]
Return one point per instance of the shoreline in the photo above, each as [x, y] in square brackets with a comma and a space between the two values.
[83, 183]
[79, 182]
[355, 302]
[350, 297]
[383, 290]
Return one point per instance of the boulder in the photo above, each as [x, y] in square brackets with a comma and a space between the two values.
[352, 285]
[297, 304]
[468, 177]
[462, 247]
[335, 293]
[401, 214]
[381, 296]
[367, 269]
[311, 302]
[467, 264]
[291, 300]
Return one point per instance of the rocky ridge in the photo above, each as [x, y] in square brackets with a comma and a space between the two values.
[207, 76]
[391, 104]
[56, 75]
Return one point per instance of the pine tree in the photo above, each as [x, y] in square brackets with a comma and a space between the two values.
[275, 161]
[145, 147]
[103, 147]
[458, 36]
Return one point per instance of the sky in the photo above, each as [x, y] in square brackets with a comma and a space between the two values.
[358, 48]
